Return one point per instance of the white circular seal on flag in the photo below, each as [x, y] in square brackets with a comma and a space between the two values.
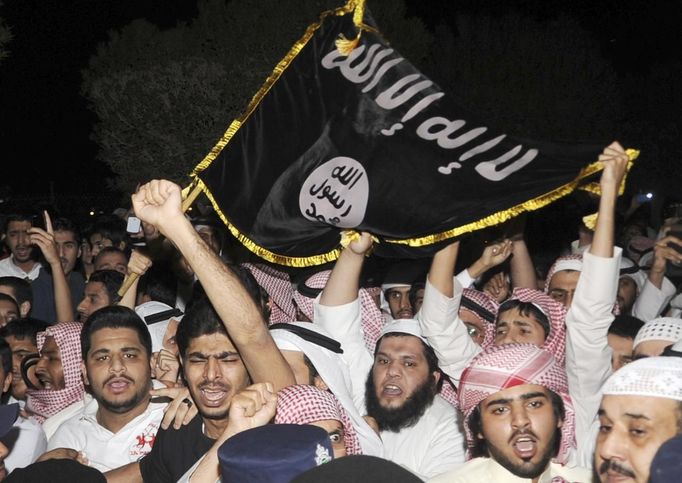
[336, 193]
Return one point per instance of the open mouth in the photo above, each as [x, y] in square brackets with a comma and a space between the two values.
[45, 382]
[213, 397]
[118, 385]
[613, 475]
[525, 446]
[391, 390]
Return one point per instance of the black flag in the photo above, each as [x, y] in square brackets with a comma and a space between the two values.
[366, 142]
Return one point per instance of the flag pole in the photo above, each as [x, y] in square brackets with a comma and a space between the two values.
[131, 278]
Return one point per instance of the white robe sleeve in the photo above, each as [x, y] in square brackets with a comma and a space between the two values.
[344, 324]
[445, 332]
[465, 279]
[652, 301]
[588, 355]
[188, 474]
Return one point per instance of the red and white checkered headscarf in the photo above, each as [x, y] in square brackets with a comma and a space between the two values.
[573, 261]
[278, 286]
[304, 404]
[372, 319]
[44, 403]
[570, 262]
[483, 300]
[510, 365]
[555, 342]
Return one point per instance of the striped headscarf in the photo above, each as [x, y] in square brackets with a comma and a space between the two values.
[278, 286]
[484, 308]
[565, 262]
[555, 342]
[371, 316]
[304, 404]
[45, 403]
[510, 365]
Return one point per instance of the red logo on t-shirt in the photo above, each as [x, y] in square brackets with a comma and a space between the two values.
[144, 442]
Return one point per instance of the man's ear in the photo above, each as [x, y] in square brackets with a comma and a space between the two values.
[84, 372]
[436, 376]
[320, 384]
[24, 309]
[6, 383]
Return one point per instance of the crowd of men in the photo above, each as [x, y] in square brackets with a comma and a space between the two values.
[208, 367]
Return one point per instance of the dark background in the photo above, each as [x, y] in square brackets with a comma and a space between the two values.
[45, 123]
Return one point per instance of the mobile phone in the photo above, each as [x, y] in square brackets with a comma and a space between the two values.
[39, 221]
[134, 225]
[674, 269]
[644, 197]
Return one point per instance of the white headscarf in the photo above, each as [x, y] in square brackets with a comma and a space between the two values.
[334, 372]
[383, 301]
[157, 329]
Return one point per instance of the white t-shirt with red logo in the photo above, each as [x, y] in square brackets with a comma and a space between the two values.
[105, 450]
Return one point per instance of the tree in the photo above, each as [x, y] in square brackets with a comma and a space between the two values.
[163, 98]
[5, 37]
[543, 80]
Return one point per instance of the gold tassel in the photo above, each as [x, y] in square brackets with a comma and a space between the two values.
[348, 236]
[345, 45]
[590, 221]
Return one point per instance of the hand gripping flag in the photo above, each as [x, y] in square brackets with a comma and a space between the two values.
[348, 136]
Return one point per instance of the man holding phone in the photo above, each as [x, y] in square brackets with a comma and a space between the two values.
[658, 289]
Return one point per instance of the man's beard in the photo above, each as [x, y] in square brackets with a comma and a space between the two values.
[120, 407]
[527, 469]
[395, 419]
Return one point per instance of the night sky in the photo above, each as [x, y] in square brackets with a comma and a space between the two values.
[44, 121]
[45, 124]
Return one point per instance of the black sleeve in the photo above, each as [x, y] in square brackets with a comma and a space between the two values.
[152, 466]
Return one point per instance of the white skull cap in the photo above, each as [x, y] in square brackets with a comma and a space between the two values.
[404, 326]
[651, 377]
[662, 328]
[568, 264]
